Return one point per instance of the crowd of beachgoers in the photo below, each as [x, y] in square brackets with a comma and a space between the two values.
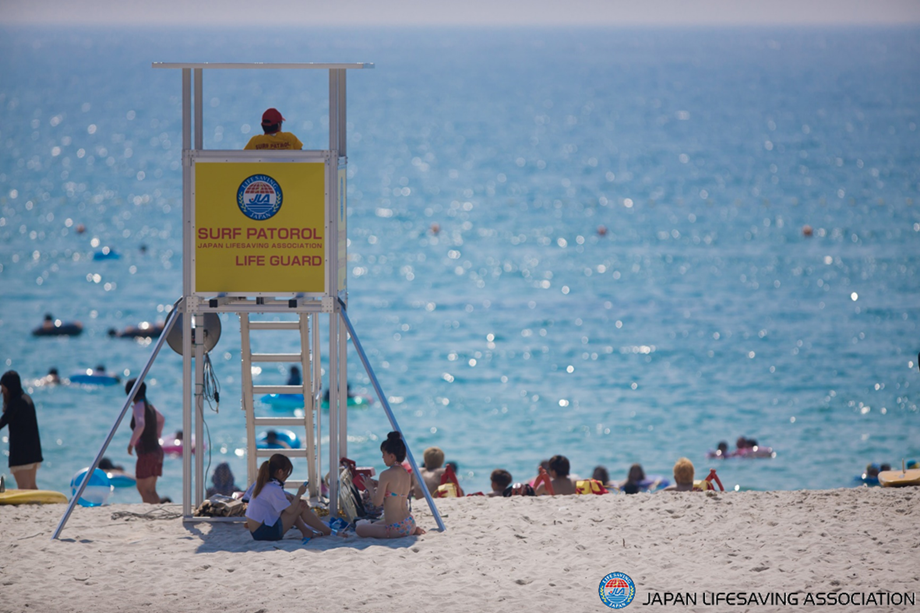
[552, 477]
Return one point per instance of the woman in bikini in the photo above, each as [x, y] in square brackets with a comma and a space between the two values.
[392, 492]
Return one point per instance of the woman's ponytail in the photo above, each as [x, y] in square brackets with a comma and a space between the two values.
[269, 468]
[263, 478]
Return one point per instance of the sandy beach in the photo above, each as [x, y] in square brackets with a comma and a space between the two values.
[858, 547]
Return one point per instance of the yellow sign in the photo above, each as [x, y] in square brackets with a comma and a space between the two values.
[260, 227]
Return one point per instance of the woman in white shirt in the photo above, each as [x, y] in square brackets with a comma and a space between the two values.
[272, 512]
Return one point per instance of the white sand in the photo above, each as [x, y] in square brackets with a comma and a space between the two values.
[536, 554]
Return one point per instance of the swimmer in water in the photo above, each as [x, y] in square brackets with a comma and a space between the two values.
[52, 378]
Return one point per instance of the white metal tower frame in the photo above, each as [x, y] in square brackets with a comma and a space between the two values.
[194, 304]
[332, 300]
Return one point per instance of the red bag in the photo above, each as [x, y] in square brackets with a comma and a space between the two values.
[357, 474]
[450, 487]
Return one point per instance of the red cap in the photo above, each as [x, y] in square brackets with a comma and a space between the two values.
[272, 116]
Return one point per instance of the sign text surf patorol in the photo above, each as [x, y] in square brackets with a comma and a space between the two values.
[260, 228]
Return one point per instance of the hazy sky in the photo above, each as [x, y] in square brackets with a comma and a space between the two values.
[460, 12]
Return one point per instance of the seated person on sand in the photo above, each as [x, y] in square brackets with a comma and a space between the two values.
[683, 477]
[392, 492]
[636, 476]
[559, 477]
[501, 479]
[600, 474]
[431, 472]
[270, 513]
[223, 481]
[273, 138]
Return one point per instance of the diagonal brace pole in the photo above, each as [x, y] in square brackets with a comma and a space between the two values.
[386, 407]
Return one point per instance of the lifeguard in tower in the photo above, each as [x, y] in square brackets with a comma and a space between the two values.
[273, 139]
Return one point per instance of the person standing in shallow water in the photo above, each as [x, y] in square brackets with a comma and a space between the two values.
[25, 443]
[146, 430]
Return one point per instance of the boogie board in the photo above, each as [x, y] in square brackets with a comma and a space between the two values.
[32, 497]
[899, 478]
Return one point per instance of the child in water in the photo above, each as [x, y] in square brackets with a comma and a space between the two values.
[271, 513]
[391, 491]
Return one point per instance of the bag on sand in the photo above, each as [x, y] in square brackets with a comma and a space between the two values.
[706, 484]
[351, 506]
[450, 487]
[518, 489]
[590, 486]
[221, 506]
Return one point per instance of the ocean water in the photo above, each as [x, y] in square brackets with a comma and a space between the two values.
[520, 330]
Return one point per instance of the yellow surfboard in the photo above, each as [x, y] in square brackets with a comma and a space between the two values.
[899, 478]
[31, 497]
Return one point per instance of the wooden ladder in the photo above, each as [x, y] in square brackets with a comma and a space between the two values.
[309, 389]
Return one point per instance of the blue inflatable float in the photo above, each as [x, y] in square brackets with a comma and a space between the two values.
[106, 253]
[121, 479]
[277, 439]
[97, 376]
[295, 401]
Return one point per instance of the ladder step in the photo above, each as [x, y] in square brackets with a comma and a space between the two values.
[277, 389]
[272, 422]
[276, 357]
[274, 325]
[291, 453]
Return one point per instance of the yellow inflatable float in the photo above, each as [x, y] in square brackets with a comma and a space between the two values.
[32, 497]
[899, 478]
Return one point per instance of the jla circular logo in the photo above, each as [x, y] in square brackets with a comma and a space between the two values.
[617, 590]
[259, 197]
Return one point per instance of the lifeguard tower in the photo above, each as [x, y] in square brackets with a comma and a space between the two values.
[264, 234]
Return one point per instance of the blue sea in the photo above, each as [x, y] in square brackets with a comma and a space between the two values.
[620, 273]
